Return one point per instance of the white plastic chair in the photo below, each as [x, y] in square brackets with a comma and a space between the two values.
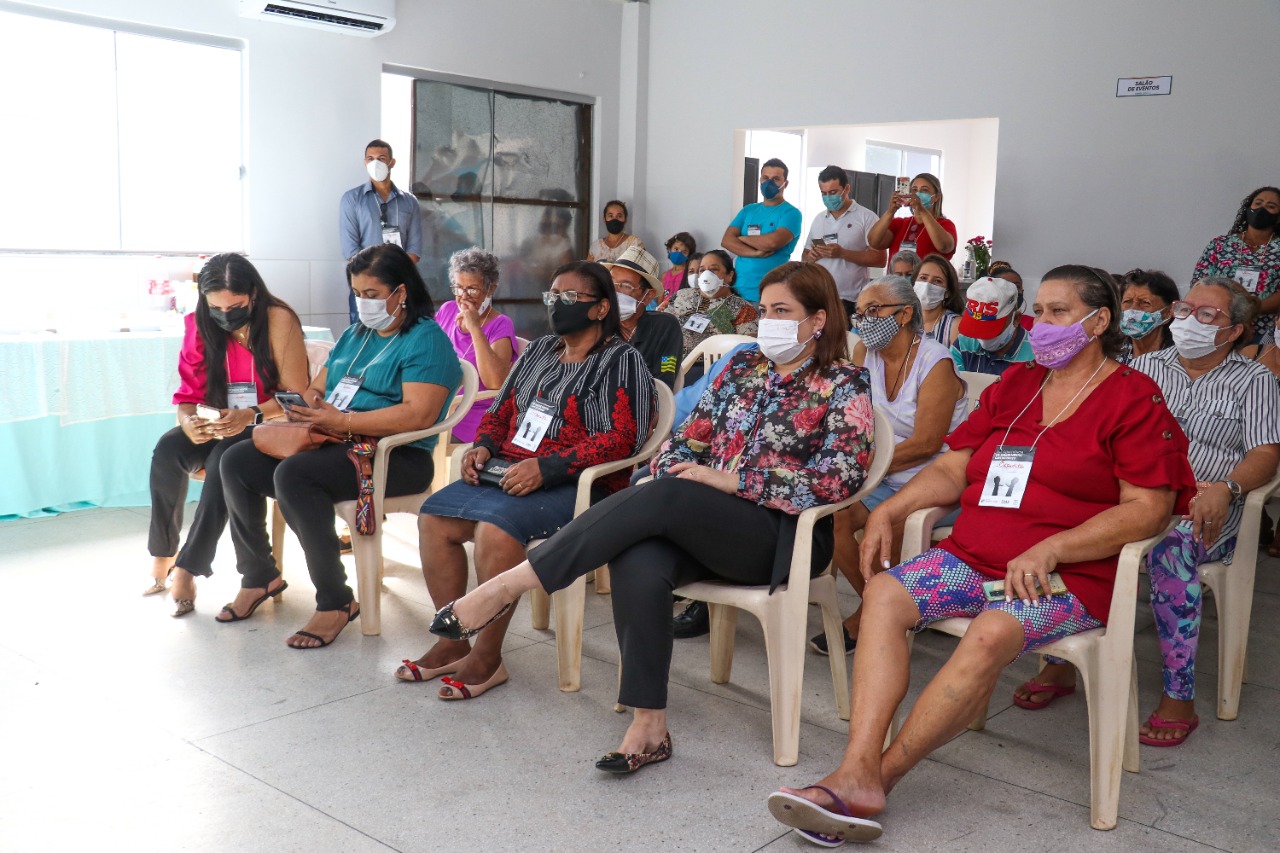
[367, 550]
[784, 615]
[709, 350]
[975, 384]
[1104, 657]
[1233, 596]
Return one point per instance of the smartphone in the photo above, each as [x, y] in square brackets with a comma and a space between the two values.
[816, 242]
[903, 184]
[209, 413]
[290, 399]
[995, 589]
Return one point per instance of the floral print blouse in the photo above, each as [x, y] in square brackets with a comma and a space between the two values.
[730, 315]
[796, 441]
[1226, 254]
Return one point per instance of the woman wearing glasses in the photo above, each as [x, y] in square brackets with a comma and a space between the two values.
[577, 397]
[479, 333]
[1229, 408]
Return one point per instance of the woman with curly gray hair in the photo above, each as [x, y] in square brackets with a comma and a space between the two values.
[479, 333]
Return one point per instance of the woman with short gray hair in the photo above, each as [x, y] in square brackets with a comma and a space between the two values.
[905, 263]
[914, 381]
[479, 333]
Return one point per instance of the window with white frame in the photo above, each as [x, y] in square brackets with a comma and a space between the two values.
[117, 141]
[890, 158]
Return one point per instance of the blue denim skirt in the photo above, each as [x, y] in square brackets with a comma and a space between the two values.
[524, 518]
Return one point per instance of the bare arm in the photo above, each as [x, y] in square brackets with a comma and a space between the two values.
[732, 241]
[881, 236]
[937, 399]
[289, 349]
[769, 243]
[493, 360]
[419, 409]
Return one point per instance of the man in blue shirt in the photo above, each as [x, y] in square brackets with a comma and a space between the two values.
[763, 234]
[991, 334]
[377, 212]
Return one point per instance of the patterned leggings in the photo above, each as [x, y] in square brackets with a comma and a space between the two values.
[1176, 604]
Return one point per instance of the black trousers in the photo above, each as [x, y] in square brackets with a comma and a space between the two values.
[174, 460]
[656, 537]
[306, 486]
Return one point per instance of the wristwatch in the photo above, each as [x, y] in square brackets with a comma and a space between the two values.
[1234, 488]
[257, 419]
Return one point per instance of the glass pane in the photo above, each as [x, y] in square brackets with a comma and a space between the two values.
[58, 146]
[920, 161]
[531, 241]
[448, 226]
[180, 124]
[885, 160]
[536, 149]
[453, 128]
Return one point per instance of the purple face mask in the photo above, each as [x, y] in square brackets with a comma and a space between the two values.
[1055, 346]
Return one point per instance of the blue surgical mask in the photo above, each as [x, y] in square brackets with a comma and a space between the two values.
[833, 202]
[769, 190]
[926, 199]
[677, 258]
[1139, 324]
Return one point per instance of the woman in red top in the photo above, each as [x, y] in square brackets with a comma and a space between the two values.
[241, 346]
[1109, 467]
[924, 232]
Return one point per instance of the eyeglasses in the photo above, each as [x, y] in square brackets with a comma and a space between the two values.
[873, 312]
[628, 288]
[1206, 314]
[568, 297]
[472, 292]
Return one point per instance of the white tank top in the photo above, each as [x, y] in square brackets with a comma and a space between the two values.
[902, 411]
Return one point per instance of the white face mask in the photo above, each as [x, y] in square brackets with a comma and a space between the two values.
[693, 279]
[779, 340]
[1001, 340]
[626, 307]
[374, 314]
[709, 283]
[1194, 339]
[930, 295]
[484, 306]
[377, 170]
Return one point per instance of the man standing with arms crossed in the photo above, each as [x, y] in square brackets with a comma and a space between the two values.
[378, 212]
[763, 234]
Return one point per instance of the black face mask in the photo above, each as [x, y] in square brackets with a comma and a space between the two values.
[1261, 218]
[614, 226]
[567, 319]
[233, 319]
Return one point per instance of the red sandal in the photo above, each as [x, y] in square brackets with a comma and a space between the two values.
[1033, 687]
[1158, 722]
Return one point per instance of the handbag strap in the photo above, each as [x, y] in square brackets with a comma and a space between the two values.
[360, 452]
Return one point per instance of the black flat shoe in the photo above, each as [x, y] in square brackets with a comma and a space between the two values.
[630, 762]
[819, 643]
[353, 613]
[236, 617]
[446, 623]
[693, 621]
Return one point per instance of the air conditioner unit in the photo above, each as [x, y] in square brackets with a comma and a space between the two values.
[356, 17]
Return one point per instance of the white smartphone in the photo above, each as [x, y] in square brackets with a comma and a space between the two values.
[209, 413]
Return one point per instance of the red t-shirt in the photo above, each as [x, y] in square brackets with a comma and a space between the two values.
[906, 228]
[1122, 431]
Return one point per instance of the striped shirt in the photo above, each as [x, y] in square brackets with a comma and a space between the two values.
[1225, 413]
[604, 408]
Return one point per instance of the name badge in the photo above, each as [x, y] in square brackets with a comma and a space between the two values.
[534, 425]
[907, 246]
[344, 392]
[697, 323]
[830, 239]
[753, 230]
[391, 234]
[1249, 278]
[241, 395]
[1007, 477]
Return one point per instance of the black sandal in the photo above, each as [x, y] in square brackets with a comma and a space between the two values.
[351, 617]
[236, 617]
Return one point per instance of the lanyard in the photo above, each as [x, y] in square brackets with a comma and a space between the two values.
[253, 373]
[1060, 412]
[382, 208]
[372, 362]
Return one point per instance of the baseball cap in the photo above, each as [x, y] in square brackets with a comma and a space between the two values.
[986, 305]
[639, 260]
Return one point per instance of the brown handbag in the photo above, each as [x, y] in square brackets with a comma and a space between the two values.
[283, 439]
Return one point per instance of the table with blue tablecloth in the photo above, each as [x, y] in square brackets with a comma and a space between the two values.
[80, 415]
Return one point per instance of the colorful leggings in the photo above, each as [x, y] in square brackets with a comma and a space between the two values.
[944, 586]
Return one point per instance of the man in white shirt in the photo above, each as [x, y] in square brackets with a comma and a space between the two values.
[838, 237]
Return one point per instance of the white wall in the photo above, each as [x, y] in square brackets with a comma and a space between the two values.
[1082, 175]
[312, 100]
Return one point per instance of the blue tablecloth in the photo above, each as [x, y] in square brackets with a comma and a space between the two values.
[80, 415]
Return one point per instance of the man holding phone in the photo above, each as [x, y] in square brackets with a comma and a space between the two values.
[763, 235]
[838, 237]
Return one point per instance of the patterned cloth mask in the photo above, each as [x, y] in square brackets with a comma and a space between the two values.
[877, 332]
[1055, 346]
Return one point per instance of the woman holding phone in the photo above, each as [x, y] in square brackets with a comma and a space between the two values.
[394, 371]
[925, 231]
[241, 344]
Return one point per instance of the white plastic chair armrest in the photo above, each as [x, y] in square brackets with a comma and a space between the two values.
[917, 532]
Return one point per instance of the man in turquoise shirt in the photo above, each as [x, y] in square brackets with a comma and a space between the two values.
[763, 234]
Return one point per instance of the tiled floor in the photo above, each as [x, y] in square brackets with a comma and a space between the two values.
[123, 729]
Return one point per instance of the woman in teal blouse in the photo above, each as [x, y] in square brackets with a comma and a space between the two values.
[394, 371]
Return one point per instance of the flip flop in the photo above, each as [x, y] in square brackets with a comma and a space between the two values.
[473, 691]
[816, 824]
[1054, 690]
[417, 673]
[1158, 722]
